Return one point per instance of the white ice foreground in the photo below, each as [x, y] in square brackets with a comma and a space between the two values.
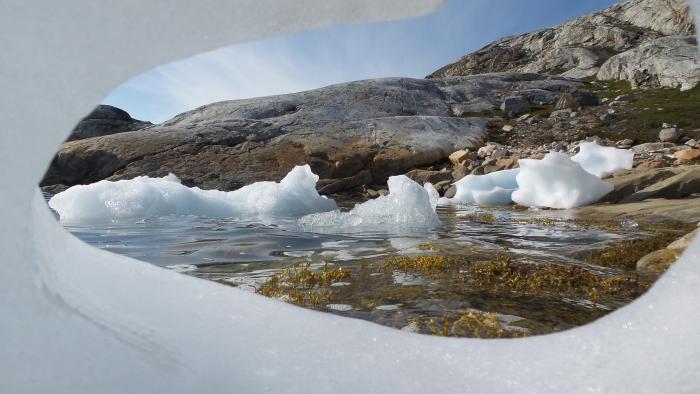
[76, 319]
[555, 181]
[104, 201]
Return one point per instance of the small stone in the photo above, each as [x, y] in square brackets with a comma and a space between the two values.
[623, 97]
[507, 128]
[533, 119]
[372, 193]
[626, 141]
[443, 185]
[561, 113]
[573, 114]
[523, 118]
[606, 117]
[461, 156]
[669, 134]
[488, 149]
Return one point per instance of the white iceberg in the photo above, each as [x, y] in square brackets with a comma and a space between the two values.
[408, 205]
[490, 189]
[556, 181]
[142, 197]
[433, 194]
[603, 160]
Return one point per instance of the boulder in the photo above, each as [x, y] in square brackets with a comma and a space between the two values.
[659, 261]
[576, 99]
[515, 105]
[330, 186]
[671, 62]
[669, 135]
[434, 177]
[459, 157]
[459, 172]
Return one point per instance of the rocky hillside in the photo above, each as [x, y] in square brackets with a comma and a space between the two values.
[607, 44]
[355, 135]
[105, 120]
[351, 134]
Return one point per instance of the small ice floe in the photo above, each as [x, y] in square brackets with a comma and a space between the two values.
[339, 307]
[390, 307]
[557, 182]
[408, 205]
[602, 161]
[142, 197]
[182, 267]
[490, 189]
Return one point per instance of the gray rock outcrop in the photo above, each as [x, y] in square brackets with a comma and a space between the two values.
[106, 120]
[669, 62]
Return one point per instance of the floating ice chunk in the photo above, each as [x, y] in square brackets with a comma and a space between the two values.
[141, 197]
[490, 189]
[603, 160]
[432, 194]
[408, 205]
[557, 182]
[339, 307]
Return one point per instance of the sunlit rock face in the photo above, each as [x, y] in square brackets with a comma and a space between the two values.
[577, 48]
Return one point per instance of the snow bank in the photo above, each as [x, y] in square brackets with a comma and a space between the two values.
[141, 197]
[408, 205]
[603, 160]
[490, 189]
[556, 181]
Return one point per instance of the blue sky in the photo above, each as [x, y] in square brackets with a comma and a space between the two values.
[406, 48]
